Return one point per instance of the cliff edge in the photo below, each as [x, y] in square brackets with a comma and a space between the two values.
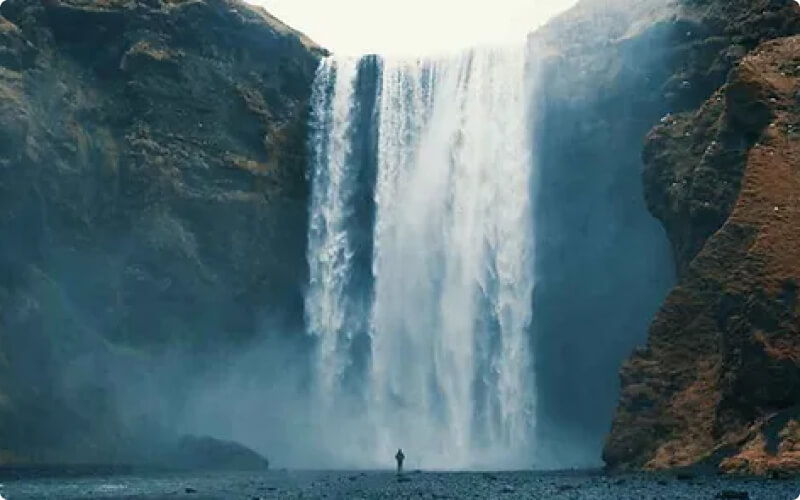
[612, 71]
[152, 200]
[718, 383]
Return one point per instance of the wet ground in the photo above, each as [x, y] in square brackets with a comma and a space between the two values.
[385, 485]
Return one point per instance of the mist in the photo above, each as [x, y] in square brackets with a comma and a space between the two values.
[490, 264]
[260, 398]
[601, 265]
[604, 263]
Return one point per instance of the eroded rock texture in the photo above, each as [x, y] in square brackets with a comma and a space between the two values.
[152, 199]
[613, 70]
[717, 383]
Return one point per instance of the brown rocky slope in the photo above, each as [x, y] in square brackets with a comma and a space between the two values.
[613, 70]
[152, 200]
[719, 380]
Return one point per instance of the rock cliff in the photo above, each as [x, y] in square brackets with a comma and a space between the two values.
[152, 199]
[717, 383]
[612, 70]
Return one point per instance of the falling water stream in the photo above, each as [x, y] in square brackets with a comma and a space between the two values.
[427, 347]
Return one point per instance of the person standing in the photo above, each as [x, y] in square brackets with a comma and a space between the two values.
[399, 457]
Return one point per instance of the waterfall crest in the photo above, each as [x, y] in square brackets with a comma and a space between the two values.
[426, 347]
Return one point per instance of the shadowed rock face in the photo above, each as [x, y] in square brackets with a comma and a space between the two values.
[204, 453]
[612, 70]
[603, 263]
[717, 383]
[152, 198]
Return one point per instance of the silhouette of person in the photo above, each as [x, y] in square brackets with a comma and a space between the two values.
[400, 457]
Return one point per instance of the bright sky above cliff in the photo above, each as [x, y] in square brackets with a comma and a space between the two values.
[412, 27]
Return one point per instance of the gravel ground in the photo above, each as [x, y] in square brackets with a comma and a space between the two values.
[386, 485]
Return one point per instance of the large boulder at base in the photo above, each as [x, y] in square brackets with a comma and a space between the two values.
[206, 453]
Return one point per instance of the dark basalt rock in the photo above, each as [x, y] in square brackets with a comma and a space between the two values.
[205, 453]
[152, 198]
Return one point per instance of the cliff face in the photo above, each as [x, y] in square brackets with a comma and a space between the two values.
[613, 70]
[602, 262]
[152, 198]
[718, 380]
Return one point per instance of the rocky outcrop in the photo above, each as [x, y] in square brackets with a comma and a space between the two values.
[717, 383]
[205, 453]
[612, 71]
[152, 199]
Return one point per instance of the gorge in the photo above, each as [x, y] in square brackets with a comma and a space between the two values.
[211, 225]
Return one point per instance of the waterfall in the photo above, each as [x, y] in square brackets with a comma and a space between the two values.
[330, 251]
[428, 347]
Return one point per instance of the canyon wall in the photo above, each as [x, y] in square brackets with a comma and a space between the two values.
[716, 383]
[152, 201]
[154, 215]
[614, 70]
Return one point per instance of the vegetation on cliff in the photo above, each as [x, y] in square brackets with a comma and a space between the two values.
[717, 383]
[152, 199]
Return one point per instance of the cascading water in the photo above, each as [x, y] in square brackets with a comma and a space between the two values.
[446, 367]
[330, 251]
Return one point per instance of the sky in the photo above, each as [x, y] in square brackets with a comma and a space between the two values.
[412, 27]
